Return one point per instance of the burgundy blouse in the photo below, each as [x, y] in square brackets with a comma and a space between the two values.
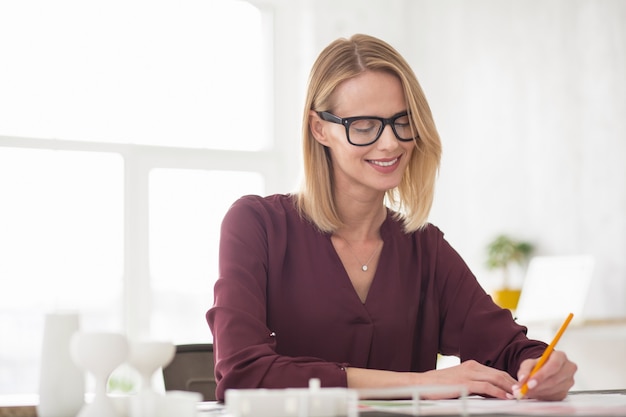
[285, 310]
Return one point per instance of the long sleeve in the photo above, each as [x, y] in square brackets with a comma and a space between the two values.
[245, 347]
[474, 327]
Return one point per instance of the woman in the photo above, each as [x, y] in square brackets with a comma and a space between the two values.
[346, 281]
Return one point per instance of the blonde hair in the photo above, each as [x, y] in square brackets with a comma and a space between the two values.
[344, 59]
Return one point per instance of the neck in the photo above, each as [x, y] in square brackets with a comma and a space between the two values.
[362, 222]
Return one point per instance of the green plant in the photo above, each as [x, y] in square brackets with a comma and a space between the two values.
[120, 384]
[503, 251]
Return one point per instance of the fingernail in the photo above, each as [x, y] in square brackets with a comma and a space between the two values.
[510, 396]
[532, 383]
[515, 387]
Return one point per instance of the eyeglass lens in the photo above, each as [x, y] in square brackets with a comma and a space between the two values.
[365, 131]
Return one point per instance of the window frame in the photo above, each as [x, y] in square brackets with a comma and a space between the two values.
[139, 161]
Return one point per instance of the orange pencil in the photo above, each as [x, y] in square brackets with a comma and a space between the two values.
[546, 354]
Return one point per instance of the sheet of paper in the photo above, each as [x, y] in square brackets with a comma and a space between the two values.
[609, 404]
[581, 404]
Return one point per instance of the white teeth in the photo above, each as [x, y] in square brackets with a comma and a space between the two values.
[384, 164]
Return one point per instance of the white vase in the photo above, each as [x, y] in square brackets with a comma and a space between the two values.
[99, 354]
[61, 382]
[147, 357]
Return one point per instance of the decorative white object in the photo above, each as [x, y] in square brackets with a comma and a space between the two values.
[61, 382]
[179, 404]
[99, 354]
[292, 402]
[316, 401]
[147, 357]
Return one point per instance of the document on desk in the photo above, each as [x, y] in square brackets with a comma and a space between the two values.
[584, 404]
[613, 404]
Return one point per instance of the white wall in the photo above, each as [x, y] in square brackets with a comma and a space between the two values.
[530, 100]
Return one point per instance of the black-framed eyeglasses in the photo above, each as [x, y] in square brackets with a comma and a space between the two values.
[365, 130]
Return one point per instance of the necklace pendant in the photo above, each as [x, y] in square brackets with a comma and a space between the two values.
[364, 268]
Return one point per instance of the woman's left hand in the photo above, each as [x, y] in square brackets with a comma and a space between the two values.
[551, 382]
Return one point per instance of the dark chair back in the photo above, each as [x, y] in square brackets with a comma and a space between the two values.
[192, 369]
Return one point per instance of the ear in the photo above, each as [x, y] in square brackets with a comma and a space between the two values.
[317, 127]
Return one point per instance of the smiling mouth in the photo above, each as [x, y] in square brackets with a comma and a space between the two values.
[384, 163]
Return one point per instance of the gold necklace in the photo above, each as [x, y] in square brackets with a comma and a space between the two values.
[364, 266]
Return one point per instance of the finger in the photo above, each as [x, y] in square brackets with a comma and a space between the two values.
[556, 385]
[490, 382]
[523, 374]
[479, 379]
[494, 376]
[524, 370]
[551, 369]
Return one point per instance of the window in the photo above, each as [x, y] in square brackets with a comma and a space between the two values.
[189, 73]
[184, 223]
[61, 246]
[127, 130]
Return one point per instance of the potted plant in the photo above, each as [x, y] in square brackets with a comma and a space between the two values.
[502, 252]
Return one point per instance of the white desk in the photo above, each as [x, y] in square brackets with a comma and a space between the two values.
[589, 403]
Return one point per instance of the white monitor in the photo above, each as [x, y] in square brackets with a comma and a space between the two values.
[555, 286]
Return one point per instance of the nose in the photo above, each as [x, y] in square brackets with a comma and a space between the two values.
[387, 138]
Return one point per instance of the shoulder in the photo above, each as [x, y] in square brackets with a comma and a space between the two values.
[429, 233]
[428, 244]
[432, 240]
[273, 204]
[270, 221]
[431, 236]
[251, 210]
